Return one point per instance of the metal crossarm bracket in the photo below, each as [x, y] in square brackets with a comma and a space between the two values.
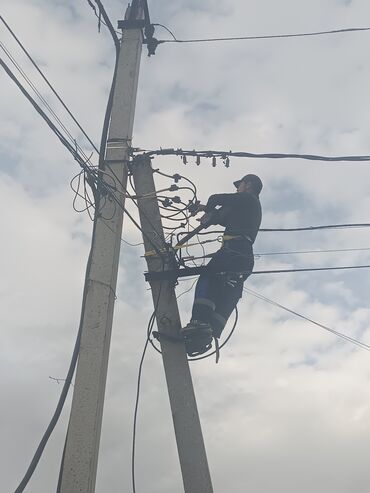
[172, 275]
[131, 24]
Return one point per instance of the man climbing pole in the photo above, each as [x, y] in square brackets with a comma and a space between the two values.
[220, 287]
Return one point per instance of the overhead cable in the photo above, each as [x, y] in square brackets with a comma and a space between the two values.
[267, 36]
[40, 449]
[356, 342]
[47, 82]
[107, 21]
[301, 252]
[227, 154]
[44, 101]
[57, 132]
[317, 228]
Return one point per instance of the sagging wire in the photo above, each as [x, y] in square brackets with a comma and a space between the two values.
[261, 37]
[347, 338]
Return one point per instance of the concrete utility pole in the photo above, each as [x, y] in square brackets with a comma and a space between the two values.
[82, 444]
[192, 453]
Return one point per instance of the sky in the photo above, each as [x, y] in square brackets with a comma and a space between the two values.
[287, 408]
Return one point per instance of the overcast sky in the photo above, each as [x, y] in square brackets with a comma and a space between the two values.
[287, 409]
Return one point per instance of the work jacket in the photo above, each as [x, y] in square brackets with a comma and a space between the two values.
[240, 213]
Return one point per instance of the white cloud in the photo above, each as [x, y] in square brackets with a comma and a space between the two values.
[286, 408]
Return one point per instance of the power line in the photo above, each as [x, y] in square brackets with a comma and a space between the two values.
[311, 269]
[358, 343]
[227, 154]
[43, 100]
[301, 252]
[92, 173]
[47, 82]
[268, 36]
[290, 230]
[136, 407]
[40, 449]
[293, 252]
[63, 140]
[317, 228]
[107, 21]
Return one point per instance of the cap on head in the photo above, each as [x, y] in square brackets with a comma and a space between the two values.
[254, 180]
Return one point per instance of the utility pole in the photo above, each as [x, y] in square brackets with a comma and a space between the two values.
[82, 445]
[191, 449]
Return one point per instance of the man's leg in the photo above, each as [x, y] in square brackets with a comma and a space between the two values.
[228, 298]
[204, 304]
[198, 332]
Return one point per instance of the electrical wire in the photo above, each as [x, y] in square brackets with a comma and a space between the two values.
[107, 21]
[44, 102]
[40, 449]
[48, 82]
[63, 140]
[149, 331]
[290, 230]
[310, 269]
[293, 252]
[301, 252]
[268, 36]
[356, 342]
[225, 154]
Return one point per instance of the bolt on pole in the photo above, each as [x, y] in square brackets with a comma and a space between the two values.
[189, 438]
[82, 444]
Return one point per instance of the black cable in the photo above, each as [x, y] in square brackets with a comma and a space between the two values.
[178, 176]
[315, 228]
[56, 131]
[225, 341]
[107, 116]
[286, 230]
[37, 456]
[301, 252]
[167, 29]
[107, 22]
[198, 358]
[339, 334]
[149, 331]
[312, 269]
[47, 82]
[269, 36]
[42, 99]
[98, 16]
[222, 154]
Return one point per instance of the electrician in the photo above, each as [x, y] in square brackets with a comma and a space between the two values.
[220, 287]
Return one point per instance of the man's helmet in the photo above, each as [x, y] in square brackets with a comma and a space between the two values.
[254, 180]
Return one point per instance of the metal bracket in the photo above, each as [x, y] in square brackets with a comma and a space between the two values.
[132, 24]
[172, 275]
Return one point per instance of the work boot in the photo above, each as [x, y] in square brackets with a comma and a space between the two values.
[198, 337]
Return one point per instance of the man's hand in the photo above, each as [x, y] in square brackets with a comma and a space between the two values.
[205, 219]
[200, 208]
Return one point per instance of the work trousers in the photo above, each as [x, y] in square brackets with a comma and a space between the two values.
[220, 287]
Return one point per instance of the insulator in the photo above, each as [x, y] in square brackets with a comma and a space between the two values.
[184, 159]
[198, 160]
[227, 162]
[214, 162]
[166, 202]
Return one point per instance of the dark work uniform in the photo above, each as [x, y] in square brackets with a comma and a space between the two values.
[216, 295]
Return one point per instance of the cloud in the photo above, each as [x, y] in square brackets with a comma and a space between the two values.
[285, 409]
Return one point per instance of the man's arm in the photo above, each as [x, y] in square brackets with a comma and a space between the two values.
[223, 199]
